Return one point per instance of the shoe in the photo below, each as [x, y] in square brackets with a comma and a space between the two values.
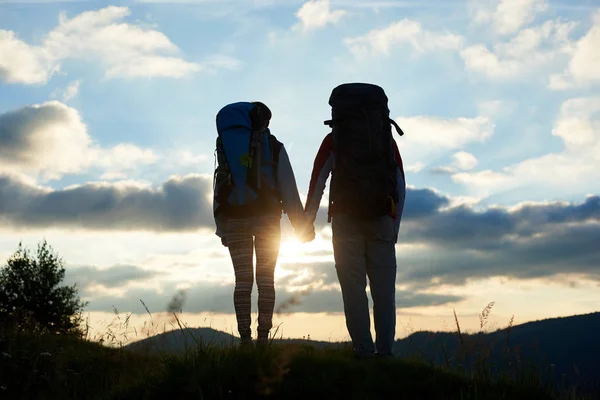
[246, 343]
[262, 341]
[364, 356]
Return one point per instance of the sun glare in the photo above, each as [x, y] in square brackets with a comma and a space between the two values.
[291, 250]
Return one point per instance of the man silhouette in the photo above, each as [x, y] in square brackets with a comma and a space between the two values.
[366, 201]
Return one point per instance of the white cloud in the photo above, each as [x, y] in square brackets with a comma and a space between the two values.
[20, 62]
[377, 5]
[444, 170]
[529, 50]
[71, 91]
[406, 31]
[479, 58]
[51, 140]
[187, 158]
[316, 14]
[496, 108]
[510, 15]
[551, 35]
[39, 1]
[123, 49]
[574, 168]
[484, 182]
[122, 159]
[584, 66]
[220, 61]
[445, 133]
[576, 126]
[559, 82]
[428, 137]
[416, 167]
[490, 107]
[464, 160]
[152, 66]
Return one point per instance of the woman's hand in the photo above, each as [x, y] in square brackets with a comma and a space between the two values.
[307, 234]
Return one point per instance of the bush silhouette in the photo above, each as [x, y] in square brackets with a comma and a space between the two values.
[32, 297]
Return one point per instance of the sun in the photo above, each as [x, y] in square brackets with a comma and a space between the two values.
[291, 250]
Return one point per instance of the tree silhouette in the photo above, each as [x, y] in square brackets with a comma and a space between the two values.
[31, 295]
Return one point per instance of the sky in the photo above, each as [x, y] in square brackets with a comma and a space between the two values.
[107, 135]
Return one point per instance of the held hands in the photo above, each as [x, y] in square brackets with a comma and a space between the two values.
[307, 234]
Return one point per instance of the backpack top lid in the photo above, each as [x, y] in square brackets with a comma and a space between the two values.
[351, 95]
[254, 116]
[234, 115]
[348, 97]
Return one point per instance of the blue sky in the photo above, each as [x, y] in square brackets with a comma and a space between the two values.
[107, 134]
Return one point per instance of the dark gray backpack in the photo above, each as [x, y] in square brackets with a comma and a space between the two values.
[364, 178]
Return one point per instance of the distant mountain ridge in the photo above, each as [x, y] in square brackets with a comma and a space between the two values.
[564, 345]
[177, 340]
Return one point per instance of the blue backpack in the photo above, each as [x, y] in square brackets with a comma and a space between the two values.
[245, 181]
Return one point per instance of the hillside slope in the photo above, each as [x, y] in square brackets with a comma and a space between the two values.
[55, 367]
[557, 346]
[567, 345]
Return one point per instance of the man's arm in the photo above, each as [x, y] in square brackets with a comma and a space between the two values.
[401, 189]
[322, 167]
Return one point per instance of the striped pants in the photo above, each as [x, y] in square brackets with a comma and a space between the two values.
[244, 236]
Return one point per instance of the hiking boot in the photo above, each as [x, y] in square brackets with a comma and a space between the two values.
[246, 343]
[262, 341]
[364, 356]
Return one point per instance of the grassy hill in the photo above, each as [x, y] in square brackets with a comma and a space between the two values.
[523, 362]
[55, 367]
[564, 350]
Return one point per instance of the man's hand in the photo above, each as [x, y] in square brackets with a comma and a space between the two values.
[309, 235]
[224, 241]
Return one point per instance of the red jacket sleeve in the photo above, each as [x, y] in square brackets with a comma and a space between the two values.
[322, 167]
[399, 160]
